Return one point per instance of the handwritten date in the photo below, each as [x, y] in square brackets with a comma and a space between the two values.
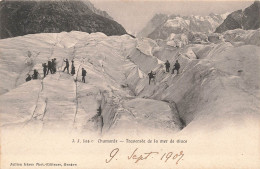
[137, 157]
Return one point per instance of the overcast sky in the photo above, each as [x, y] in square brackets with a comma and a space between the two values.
[133, 15]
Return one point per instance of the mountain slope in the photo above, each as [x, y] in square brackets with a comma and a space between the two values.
[97, 11]
[19, 18]
[156, 21]
[247, 19]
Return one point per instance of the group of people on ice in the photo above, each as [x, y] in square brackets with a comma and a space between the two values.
[72, 72]
[176, 67]
[51, 67]
[35, 75]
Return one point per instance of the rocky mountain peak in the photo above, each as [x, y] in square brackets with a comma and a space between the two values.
[177, 24]
[19, 18]
[245, 19]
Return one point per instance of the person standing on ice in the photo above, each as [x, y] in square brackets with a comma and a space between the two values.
[53, 65]
[28, 78]
[176, 67]
[72, 68]
[151, 76]
[49, 67]
[44, 69]
[167, 65]
[67, 65]
[35, 74]
[84, 73]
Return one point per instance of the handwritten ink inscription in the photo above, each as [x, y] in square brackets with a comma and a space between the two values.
[136, 156]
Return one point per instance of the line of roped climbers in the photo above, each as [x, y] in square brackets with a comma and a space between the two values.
[51, 67]
[176, 67]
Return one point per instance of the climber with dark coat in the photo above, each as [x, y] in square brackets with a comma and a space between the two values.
[99, 111]
[167, 65]
[35, 74]
[151, 76]
[67, 65]
[176, 67]
[53, 65]
[84, 72]
[28, 78]
[49, 67]
[72, 68]
[44, 69]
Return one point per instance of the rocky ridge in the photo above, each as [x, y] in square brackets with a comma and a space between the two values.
[242, 19]
[19, 18]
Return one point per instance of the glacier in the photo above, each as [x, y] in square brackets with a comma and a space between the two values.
[218, 82]
[213, 102]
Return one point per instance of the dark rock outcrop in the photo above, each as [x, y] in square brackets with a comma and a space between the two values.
[19, 18]
[247, 19]
[97, 11]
